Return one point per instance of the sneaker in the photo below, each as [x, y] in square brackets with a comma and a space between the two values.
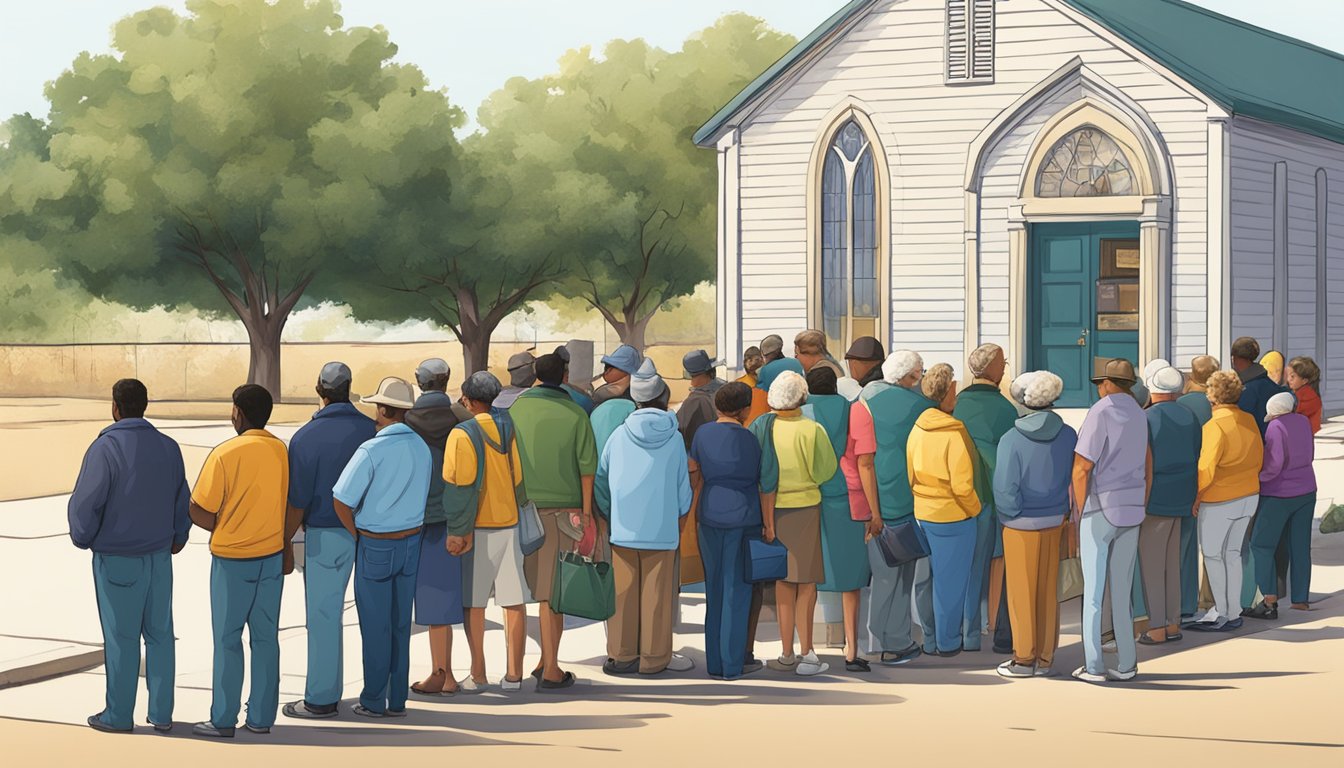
[1108, 646]
[950, 654]
[783, 664]
[890, 659]
[1081, 673]
[617, 668]
[395, 713]
[751, 667]
[1044, 672]
[256, 728]
[300, 710]
[208, 729]
[1011, 668]
[161, 727]
[509, 686]
[96, 723]
[1264, 610]
[680, 663]
[469, 685]
[810, 665]
[1120, 677]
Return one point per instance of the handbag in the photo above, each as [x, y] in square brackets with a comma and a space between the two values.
[583, 588]
[1070, 564]
[902, 543]
[531, 534]
[764, 561]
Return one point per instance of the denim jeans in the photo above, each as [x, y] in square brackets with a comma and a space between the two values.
[727, 599]
[246, 593]
[924, 603]
[1108, 557]
[973, 619]
[384, 594]
[135, 599]
[951, 557]
[1189, 566]
[1276, 516]
[328, 561]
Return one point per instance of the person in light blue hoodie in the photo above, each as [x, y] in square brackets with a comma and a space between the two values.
[1031, 494]
[643, 490]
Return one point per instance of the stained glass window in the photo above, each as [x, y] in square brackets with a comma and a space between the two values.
[1086, 163]
[834, 247]
[849, 284]
[865, 239]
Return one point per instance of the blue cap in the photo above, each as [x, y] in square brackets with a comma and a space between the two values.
[626, 358]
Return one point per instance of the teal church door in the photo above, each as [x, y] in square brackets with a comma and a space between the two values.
[1083, 302]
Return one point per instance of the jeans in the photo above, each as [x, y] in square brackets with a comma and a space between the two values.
[1222, 531]
[246, 593]
[329, 559]
[1108, 556]
[889, 612]
[1160, 558]
[384, 593]
[1189, 566]
[951, 553]
[1275, 516]
[924, 603]
[135, 599]
[727, 599]
[986, 534]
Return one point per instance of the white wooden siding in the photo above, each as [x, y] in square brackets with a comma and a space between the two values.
[893, 61]
[1256, 147]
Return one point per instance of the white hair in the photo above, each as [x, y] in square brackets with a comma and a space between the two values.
[1037, 389]
[1281, 404]
[982, 356]
[787, 392]
[900, 364]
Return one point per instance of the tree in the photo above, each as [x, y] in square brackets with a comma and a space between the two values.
[235, 159]
[632, 195]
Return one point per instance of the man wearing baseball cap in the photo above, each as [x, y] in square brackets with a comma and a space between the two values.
[380, 498]
[698, 407]
[1112, 474]
[318, 453]
[521, 378]
[864, 360]
[619, 366]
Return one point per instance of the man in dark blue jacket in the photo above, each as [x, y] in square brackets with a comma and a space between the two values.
[1257, 386]
[318, 453]
[130, 507]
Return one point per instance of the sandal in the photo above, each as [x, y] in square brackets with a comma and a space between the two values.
[1144, 639]
[857, 664]
[548, 685]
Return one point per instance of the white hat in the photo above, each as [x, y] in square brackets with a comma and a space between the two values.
[393, 393]
[646, 385]
[1165, 381]
[1281, 404]
[1153, 367]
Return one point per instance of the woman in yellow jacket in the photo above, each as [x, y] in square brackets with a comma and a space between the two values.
[941, 460]
[1229, 491]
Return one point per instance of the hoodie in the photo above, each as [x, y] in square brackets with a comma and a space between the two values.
[433, 417]
[1289, 451]
[1032, 472]
[642, 486]
[940, 462]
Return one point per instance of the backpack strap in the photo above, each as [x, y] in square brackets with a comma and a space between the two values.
[764, 429]
[462, 503]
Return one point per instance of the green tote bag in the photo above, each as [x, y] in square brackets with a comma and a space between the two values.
[583, 588]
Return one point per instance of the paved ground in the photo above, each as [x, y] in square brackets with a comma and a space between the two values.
[1270, 692]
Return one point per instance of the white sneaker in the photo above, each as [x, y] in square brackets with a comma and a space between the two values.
[509, 686]
[1081, 673]
[1121, 677]
[810, 665]
[1108, 646]
[469, 685]
[680, 663]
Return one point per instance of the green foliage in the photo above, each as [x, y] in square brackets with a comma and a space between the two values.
[605, 144]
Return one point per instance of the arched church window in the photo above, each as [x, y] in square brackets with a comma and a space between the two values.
[849, 277]
[1086, 163]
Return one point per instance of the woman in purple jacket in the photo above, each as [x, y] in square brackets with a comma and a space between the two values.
[1287, 499]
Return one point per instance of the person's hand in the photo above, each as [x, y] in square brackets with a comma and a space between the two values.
[768, 533]
[179, 547]
[1195, 509]
[873, 528]
[287, 560]
[459, 545]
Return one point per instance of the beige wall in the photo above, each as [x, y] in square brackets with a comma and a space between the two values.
[211, 371]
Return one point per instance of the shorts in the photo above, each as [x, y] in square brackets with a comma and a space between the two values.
[539, 567]
[493, 567]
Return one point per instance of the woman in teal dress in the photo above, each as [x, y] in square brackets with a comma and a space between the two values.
[843, 546]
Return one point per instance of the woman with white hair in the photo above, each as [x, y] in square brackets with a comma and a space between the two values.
[797, 458]
[1287, 501]
[941, 464]
[1031, 495]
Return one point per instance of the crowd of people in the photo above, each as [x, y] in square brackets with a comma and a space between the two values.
[954, 510]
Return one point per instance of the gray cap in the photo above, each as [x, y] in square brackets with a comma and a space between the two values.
[334, 375]
[646, 385]
[520, 370]
[431, 369]
[772, 345]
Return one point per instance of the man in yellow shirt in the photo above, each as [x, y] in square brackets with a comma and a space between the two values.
[240, 498]
[482, 506]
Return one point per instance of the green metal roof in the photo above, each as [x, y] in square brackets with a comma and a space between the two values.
[1247, 70]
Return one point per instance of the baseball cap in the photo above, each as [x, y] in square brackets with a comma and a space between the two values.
[520, 370]
[392, 392]
[697, 362]
[431, 369]
[866, 348]
[625, 358]
[334, 375]
[1118, 370]
[772, 345]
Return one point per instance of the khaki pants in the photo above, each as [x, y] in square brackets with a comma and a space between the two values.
[1031, 567]
[646, 597]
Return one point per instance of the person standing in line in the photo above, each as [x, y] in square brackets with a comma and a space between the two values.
[843, 539]
[1257, 387]
[725, 472]
[804, 460]
[941, 465]
[875, 461]
[1230, 461]
[438, 579]
[1303, 377]
[380, 500]
[772, 352]
[318, 453]
[483, 526]
[1195, 399]
[521, 379]
[559, 453]
[1112, 475]
[643, 488]
[1031, 494]
[1287, 503]
[1194, 578]
[617, 369]
[752, 360]
[988, 416]
[610, 414]
[579, 397]
[240, 497]
[1174, 438]
[129, 507]
[809, 349]
[698, 407]
[1272, 362]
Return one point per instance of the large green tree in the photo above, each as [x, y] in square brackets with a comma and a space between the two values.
[631, 196]
[237, 158]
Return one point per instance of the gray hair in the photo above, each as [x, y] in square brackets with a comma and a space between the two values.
[982, 356]
[900, 364]
[1037, 389]
[787, 391]
[482, 387]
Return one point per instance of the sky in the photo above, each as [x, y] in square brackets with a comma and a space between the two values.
[474, 46]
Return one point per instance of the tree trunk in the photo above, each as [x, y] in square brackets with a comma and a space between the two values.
[263, 339]
[634, 330]
[475, 351]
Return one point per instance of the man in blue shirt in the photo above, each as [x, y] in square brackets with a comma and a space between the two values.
[318, 453]
[130, 506]
[380, 499]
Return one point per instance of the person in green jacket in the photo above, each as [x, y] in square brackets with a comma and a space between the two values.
[988, 416]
